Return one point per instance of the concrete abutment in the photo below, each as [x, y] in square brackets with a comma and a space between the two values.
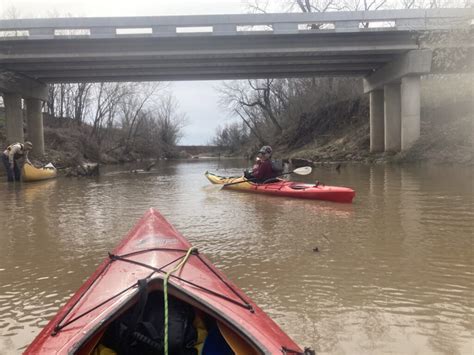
[14, 89]
[398, 83]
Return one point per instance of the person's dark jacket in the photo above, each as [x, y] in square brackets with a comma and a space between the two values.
[262, 170]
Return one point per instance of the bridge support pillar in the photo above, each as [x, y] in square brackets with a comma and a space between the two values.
[13, 118]
[410, 111]
[377, 121]
[34, 120]
[15, 87]
[392, 118]
[400, 81]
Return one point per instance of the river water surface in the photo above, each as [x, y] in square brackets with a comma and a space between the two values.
[393, 275]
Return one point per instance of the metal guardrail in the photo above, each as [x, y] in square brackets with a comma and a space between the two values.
[287, 23]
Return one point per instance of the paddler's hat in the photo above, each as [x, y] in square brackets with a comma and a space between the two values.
[266, 149]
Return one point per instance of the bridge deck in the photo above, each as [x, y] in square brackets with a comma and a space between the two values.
[215, 47]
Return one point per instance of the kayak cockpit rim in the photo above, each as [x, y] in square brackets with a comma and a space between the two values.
[156, 284]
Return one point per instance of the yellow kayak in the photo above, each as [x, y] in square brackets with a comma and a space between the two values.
[31, 173]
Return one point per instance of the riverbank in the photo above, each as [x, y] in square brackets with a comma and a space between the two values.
[441, 141]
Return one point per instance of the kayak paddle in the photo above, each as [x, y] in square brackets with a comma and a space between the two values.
[304, 170]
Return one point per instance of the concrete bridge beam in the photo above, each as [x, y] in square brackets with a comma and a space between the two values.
[377, 121]
[13, 118]
[14, 83]
[392, 121]
[412, 63]
[34, 120]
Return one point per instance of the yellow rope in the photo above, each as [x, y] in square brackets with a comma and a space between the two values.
[165, 292]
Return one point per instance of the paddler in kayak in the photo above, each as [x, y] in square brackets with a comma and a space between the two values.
[262, 170]
[11, 157]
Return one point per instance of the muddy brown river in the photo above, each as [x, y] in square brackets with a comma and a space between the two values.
[393, 275]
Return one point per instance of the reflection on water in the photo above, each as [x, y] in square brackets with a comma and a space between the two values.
[393, 273]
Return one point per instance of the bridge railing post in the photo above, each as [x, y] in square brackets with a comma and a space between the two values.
[224, 29]
[163, 31]
[346, 26]
[283, 28]
[41, 33]
[103, 32]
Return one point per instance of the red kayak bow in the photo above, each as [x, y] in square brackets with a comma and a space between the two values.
[127, 288]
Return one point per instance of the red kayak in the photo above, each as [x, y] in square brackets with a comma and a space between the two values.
[285, 188]
[152, 276]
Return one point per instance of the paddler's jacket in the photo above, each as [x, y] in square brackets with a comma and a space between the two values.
[262, 170]
[15, 151]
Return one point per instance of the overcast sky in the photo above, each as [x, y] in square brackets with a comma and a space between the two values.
[40, 8]
[197, 99]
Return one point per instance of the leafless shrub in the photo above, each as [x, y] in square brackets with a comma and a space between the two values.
[231, 137]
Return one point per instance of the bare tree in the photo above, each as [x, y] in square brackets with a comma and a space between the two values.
[133, 110]
[81, 101]
[168, 123]
[232, 137]
[316, 5]
[293, 6]
[107, 97]
[70, 101]
[258, 6]
[237, 96]
[252, 129]
[432, 4]
[11, 13]
[264, 100]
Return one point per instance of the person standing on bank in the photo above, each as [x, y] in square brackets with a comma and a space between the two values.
[11, 157]
[262, 170]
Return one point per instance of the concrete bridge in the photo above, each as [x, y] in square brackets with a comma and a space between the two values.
[381, 46]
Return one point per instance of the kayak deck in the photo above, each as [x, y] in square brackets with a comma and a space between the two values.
[150, 250]
[286, 188]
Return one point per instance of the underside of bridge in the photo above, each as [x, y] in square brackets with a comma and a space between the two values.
[389, 59]
[195, 57]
